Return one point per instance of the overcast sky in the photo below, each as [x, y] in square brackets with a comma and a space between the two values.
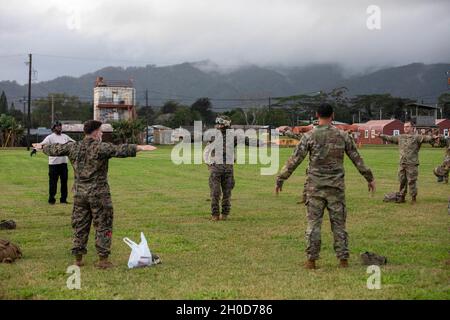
[229, 32]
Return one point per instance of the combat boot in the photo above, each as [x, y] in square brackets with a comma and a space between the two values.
[79, 260]
[310, 264]
[223, 217]
[400, 199]
[215, 217]
[343, 263]
[104, 263]
[413, 200]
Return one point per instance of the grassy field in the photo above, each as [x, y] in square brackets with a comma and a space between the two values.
[257, 254]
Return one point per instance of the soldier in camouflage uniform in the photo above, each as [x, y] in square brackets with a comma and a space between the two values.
[442, 171]
[326, 146]
[409, 146]
[221, 173]
[292, 135]
[92, 198]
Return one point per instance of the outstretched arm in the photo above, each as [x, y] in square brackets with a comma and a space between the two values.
[54, 150]
[358, 162]
[292, 135]
[427, 139]
[292, 163]
[391, 139]
[110, 150]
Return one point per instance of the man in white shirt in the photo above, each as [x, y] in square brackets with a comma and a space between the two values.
[57, 166]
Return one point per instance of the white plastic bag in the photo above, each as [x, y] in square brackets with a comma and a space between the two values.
[140, 253]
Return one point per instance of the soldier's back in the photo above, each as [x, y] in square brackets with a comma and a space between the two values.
[327, 148]
[90, 166]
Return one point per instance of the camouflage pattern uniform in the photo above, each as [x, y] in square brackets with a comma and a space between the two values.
[326, 146]
[443, 169]
[290, 134]
[221, 176]
[92, 198]
[409, 146]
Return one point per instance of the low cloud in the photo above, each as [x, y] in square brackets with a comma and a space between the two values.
[229, 33]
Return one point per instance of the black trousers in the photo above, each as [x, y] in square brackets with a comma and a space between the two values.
[56, 171]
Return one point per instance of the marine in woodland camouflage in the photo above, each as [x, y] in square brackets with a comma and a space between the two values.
[92, 198]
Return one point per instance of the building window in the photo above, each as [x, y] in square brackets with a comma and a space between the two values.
[446, 133]
[396, 132]
[366, 134]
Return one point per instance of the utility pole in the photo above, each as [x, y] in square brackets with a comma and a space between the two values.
[359, 116]
[24, 101]
[380, 114]
[53, 111]
[269, 136]
[146, 118]
[30, 57]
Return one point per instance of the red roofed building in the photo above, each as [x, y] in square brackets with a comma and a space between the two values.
[367, 130]
[444, 126]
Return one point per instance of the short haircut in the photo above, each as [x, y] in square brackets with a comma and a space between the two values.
[325, 110]
[91, 125]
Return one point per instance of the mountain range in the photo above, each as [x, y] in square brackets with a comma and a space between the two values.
[228, 88]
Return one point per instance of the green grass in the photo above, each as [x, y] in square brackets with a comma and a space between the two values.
[257, 254]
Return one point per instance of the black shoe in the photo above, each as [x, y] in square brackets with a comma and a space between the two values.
[64, 202]
[52, 202]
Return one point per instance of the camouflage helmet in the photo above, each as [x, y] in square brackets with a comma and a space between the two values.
[223, 120]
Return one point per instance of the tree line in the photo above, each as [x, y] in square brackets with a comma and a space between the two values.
[292, 110]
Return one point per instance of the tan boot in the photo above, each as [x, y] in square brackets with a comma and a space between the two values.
[413, 200]
[104, 263]
[79, 260]
[215, 217]
[223, 217]
[310, 264]
[343, 263]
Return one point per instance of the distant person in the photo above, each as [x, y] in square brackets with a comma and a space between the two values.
[221, 171]
[57, 166]
[409, 145]
[92, 197]
[442, 171]
[326, 146]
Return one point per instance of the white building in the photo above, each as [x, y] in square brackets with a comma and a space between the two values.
[114, 100]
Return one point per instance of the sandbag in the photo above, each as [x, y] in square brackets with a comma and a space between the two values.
[9, 252]
[394, 197]
[7, 225]
[370, 258]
